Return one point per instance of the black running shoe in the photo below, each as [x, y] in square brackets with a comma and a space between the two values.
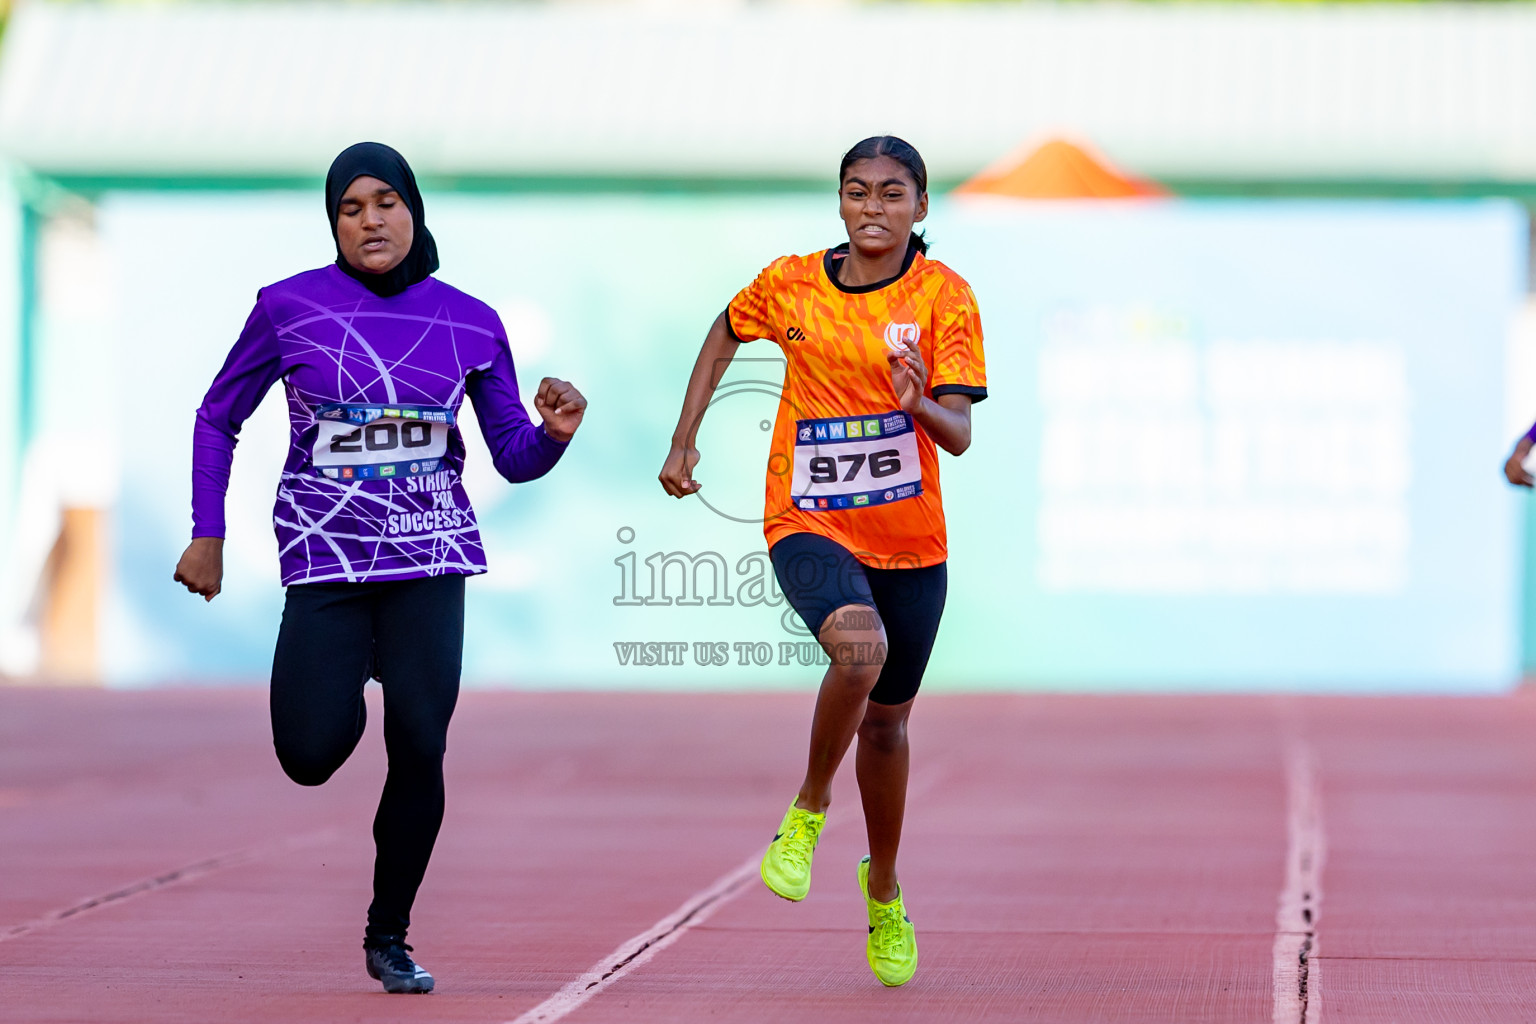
[391, 963]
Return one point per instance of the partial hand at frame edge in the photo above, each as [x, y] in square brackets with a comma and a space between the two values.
[1514, 466]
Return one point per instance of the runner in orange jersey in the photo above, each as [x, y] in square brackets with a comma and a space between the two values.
[884, 357]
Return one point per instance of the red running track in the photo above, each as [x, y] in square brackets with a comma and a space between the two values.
[1072, 859]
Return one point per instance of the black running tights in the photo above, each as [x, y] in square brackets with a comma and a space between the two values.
[333, 637]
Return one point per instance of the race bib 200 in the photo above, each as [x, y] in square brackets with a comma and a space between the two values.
[855, 462]
[370, 442]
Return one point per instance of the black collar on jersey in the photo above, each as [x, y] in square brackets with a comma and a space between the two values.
[377, 160]
[836, 255]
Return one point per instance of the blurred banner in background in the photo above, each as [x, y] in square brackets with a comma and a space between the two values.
[1227, 443]
[1237, 437]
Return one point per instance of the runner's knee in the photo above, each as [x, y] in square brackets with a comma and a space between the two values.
[418, 741]
[861, 675]
[854, 639]
[309, 765]
[884, 733]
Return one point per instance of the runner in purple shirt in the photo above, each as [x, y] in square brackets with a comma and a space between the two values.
[375, 533]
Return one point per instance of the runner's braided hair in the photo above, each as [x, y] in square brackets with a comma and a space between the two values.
[903, 153]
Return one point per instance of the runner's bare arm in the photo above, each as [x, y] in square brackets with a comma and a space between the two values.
[714, 358]
[947, 419]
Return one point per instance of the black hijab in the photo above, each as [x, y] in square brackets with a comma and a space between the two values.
[377, 160]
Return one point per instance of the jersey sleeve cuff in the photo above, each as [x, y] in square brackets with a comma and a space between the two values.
[544, 437]
[976, 392]
[730, 328]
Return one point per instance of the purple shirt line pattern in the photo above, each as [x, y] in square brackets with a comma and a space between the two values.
[330, 340]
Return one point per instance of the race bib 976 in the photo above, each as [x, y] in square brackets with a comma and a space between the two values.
[855, 462]
[369, 442]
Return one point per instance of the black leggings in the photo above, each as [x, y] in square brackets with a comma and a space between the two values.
[819, 576]
[333, 638]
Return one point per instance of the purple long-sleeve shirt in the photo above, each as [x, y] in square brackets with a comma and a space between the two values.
[372, 487]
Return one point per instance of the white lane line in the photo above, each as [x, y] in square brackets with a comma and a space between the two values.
[695, 910]
[1296, 996]
[176, 876]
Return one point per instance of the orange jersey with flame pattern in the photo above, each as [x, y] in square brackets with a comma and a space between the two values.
[845, 461]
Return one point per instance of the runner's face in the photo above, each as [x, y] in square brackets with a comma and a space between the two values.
[879, 202]
[373, 226]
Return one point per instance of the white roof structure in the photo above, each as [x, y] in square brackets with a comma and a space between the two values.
[1427, 92]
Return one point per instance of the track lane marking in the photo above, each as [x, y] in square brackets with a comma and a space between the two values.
[695, 910]
[1294, 956]
[176, 876]
[643, 947]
